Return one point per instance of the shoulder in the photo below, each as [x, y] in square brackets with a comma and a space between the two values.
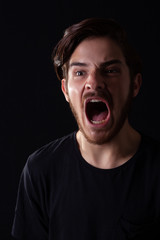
[150, 145]
[149, 153]
[51, 155]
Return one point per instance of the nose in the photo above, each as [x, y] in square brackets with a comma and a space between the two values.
[95, 81]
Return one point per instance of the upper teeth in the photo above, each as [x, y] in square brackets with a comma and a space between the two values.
[95, 100]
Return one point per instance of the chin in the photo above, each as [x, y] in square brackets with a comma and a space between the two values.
[103, 136]
[98, 138]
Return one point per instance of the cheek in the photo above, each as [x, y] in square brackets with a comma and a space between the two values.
[74, 90]
[120, 93]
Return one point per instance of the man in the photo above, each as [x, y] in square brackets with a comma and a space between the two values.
[102, 181]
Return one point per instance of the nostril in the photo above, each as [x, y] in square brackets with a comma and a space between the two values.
[94, 86]
[88, 86]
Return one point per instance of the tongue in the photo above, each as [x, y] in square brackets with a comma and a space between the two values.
[99, 116]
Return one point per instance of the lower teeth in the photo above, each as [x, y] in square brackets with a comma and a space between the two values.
[97, 122]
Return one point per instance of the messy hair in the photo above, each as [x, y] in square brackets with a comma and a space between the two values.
[93, 27]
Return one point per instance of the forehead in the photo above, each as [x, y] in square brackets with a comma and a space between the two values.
[96, 50]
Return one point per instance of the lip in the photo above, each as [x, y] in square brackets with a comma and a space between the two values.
[106, 120]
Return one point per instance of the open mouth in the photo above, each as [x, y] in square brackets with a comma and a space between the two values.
[96, 111]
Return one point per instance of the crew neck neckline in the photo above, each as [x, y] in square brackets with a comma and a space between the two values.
[84, 163]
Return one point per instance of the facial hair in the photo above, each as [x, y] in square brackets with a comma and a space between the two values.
[115, 130]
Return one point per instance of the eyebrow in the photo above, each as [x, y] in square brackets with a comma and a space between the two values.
[108, 63]
[104, 64]
[78, 64]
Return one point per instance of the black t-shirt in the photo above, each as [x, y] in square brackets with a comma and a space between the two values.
[62, 197]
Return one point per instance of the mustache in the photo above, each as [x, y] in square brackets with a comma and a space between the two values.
[102, 94]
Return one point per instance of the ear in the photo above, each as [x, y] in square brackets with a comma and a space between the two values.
[137, 84]
[64, 89]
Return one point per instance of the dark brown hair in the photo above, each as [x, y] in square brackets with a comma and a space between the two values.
[97, 27]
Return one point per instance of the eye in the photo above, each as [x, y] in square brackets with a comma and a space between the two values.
[79, 73]
[111, 71]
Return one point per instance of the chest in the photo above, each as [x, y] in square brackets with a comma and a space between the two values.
[86, 204]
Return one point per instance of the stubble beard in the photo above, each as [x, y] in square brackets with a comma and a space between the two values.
[115, 130]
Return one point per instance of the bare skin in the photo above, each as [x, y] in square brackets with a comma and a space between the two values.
[111, 142]
[114, 153]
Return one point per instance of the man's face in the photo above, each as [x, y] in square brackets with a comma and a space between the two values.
[98, 88]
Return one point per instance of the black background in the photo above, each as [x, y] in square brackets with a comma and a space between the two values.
[33, 110]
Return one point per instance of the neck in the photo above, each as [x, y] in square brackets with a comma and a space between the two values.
[113, 153]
